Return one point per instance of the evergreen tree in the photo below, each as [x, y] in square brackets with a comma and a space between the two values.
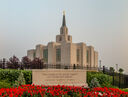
[94, 83]
[20, 80]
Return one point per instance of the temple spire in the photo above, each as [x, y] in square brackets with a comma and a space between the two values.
[64, 21]
[64, 29]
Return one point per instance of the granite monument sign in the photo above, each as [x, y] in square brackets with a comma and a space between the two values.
[72, 77]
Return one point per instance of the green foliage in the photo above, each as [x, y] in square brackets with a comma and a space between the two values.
[111, 86]
[126, 90]
[111, 69]
[12, 75]
[104, 80]
[20, 80]
[94, 83]
[27, 76]
[121, 70]
[4, 84]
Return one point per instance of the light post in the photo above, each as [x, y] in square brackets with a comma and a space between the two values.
[100, 64]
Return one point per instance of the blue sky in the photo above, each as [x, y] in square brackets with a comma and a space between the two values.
[100, 23]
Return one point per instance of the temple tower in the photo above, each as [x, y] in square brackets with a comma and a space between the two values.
[64, 37]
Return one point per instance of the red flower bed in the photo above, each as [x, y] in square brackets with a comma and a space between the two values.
[60, 91]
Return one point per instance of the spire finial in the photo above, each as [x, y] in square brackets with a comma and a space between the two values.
[64, 21]
[63, 12]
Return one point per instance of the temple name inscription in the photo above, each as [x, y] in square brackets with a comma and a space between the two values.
[59, 77]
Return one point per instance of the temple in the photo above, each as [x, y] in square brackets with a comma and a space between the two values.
[64, 52]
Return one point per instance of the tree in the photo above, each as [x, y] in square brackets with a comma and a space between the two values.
[111, 69]
[1, 63]
[26, 62]
[121, 70]
[104, 69]
[13, 63]
[37, 63]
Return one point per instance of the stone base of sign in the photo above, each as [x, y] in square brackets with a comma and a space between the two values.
[68, 77]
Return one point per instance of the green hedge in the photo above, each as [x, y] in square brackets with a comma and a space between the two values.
[11, 75]
[4, 84]
[104, 80]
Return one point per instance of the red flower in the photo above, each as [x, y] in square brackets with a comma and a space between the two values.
[58, 91]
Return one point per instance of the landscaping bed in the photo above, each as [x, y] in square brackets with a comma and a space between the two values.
[60, 91]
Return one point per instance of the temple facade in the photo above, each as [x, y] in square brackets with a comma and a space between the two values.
[64, 52]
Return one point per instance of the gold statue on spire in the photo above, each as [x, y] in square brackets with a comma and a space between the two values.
[63, 12]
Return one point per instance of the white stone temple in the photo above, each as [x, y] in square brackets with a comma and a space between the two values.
[64, 52]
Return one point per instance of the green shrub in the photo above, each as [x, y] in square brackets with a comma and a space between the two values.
[104, 80]
[126, 90]
[27, 76]
[12, 75]
[4, 84]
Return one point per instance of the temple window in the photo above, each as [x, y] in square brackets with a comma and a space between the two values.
[68, 38]
[78, 55]
[58, 55]
[45, 55]
[34, 54]
[60, 39]
[87, 56]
